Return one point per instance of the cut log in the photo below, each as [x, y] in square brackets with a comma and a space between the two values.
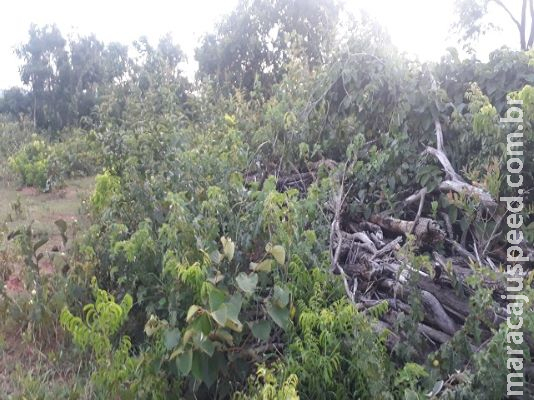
[425, 230]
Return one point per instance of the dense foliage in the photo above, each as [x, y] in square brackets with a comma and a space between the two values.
[199, 275]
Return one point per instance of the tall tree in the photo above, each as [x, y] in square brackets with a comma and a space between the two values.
[44, 55]
[473, 18]
[254, 42]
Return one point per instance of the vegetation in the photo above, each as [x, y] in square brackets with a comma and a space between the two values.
[314, 217]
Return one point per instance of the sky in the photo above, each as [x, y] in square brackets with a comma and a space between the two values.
[418, 27]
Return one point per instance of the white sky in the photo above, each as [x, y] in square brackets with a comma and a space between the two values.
[418, 27]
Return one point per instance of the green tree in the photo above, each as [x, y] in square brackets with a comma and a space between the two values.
[16, 102]
[44, 55]
[255, 42]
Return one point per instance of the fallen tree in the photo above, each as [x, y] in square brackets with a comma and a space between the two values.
[379, 261]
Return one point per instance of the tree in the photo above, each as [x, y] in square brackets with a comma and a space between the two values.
[66, 82]
[255, 41]
[44, 56]
[473, 19]
[15, 102]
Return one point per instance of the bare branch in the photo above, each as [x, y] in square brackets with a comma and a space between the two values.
[520, 24]
[445, 163]
[514, 19]
[531, 37]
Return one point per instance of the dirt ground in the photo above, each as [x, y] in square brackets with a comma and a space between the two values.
[20, 359]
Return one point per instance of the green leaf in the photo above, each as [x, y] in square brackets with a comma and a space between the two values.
[204, 369]
[261, 329]
[234, 307]
[279, 254]
[204, 344]
[222, 335]
[221, 315]
[171, 338]
[228, 247]
[264, 266]
[39, 243]
[436, 389]
[234, 324]
[202, 324]
[59, 262]
[192, 312]
[217, 278]
[280, 296]
[14, 234]
[184, 361]
[247, 283]
[62, 226]
[279, 315]
[216, 298]
[216, 257]
[409, 394]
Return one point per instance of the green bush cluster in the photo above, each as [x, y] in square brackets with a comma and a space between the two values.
[31, 162]
[37, 161]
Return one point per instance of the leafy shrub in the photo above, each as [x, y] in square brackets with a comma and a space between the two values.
[116, 371]
[31, 163]
[79, 154]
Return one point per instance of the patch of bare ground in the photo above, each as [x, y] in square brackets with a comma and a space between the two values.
[29, 364]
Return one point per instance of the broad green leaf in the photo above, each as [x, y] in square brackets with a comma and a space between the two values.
[221, 315]
[279, 315]
[216, 297]
[279, 254]
[234, 307]
[171, 338]
[204, 369]
[261, 329]
[202, 324]
[247, 283]
[280, 296]
[184, 361]
[204, 344]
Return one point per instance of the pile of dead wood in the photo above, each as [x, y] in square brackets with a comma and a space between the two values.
[370, 255]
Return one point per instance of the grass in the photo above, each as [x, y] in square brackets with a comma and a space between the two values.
[44, 208]
[30, 369]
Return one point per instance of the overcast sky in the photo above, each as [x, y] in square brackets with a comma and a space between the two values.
[418, 27]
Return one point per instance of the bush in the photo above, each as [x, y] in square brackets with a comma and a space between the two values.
[31, 162]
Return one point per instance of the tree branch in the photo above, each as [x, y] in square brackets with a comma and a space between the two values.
[521, 26]
[531, 37]
[500, 3]
[523, 32]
